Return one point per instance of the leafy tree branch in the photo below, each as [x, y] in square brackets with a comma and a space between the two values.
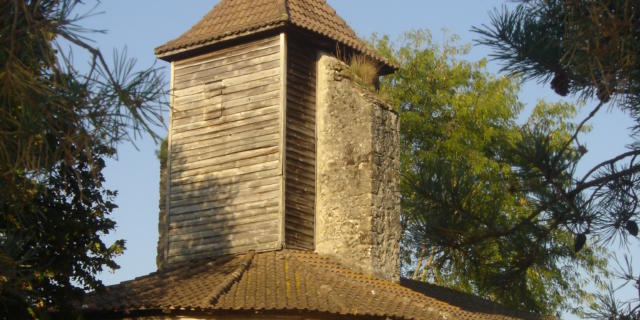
[58, 125]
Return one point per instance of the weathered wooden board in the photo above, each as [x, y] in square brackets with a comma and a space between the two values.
[248, 54]
[229, 147]
[196, 133]
[226, 233]
[235, 134]
[196, 217]
[227, 72]
[238, 212]
[225, 156]
[223, 192]
[208, 229]
[199, 174]
[228, 196]
[223, 243]
[224, 53]
[203, 166]
[228, 247]
[212, 177]
[301, 146]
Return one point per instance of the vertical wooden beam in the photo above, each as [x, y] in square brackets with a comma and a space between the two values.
[283, 134]
[167, 213]
[317, 190]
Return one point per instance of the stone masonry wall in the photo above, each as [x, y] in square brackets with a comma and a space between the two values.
[358, 204]
[385, 204]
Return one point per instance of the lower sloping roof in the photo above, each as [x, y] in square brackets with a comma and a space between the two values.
[288, 280]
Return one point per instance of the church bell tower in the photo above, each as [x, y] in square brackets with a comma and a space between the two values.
[269, 148]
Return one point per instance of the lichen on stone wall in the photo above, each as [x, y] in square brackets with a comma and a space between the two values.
[358, 209]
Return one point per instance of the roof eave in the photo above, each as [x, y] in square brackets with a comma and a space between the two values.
[387, 68]
[171, 53]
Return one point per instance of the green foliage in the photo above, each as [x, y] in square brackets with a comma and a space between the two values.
[587, 47]
[590, 48]
[49, 107]
[606, 304]
[163, 152]
[57, 126]
[50, 229]
[473, 202]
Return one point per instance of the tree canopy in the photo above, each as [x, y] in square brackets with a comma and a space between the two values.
[474, 205]
[584, 47]
[57, 126]
[590, 49]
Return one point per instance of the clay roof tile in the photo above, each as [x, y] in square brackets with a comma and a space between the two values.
[289, 280]
[232, 19]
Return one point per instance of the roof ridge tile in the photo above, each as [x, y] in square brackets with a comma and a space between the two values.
[232, 278]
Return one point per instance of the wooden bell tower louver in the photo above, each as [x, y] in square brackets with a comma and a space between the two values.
[241, 172]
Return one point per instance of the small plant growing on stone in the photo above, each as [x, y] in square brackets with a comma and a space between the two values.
[364, 70]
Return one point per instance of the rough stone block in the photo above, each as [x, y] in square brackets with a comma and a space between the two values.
[358, 204]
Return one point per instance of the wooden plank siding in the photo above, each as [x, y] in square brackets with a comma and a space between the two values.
[301, 146]
[225, 153]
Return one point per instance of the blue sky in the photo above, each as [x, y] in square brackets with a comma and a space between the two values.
[141, 25]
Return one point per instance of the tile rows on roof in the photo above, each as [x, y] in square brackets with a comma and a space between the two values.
[242, 17]
[289, 280]
[228, 17]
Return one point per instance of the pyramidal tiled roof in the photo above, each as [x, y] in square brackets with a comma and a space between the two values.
[231, 19]
[287, 281]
